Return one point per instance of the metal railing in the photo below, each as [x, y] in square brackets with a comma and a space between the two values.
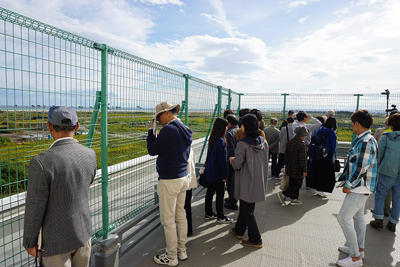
[114, 94]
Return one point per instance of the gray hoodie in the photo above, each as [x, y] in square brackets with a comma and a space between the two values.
[251, 166]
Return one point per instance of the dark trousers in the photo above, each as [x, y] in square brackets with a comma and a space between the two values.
[274, 158]
[247, 219]
[281, 162]
[188, 209]
[230, 184]
[217, 188]
[294, 187]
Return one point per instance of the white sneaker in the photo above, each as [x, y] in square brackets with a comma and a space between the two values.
[164, 260]
[182, 255]
[348, 262]
[345, 249]
[321, 194]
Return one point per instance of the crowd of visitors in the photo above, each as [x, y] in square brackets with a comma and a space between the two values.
[238, 156]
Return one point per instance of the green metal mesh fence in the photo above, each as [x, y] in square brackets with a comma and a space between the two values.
[273, 105]
[41, 66]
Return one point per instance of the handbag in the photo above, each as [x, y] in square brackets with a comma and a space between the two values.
[202, 179]
[285, 182]
[336, 165]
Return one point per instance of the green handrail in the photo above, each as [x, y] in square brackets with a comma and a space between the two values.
[208, 132]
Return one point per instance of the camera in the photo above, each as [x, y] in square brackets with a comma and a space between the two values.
[392, 109]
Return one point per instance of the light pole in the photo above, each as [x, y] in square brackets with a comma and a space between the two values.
[387, 93]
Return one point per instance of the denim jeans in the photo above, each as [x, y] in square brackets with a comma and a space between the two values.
[384, 184]
[353, 209]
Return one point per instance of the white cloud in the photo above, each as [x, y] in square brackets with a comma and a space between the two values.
[356, 52]
[163, 2]
[221, 19]
[303, 19]
[297, 3]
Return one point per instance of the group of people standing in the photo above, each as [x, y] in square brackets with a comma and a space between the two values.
[294, 140]
[238, 155]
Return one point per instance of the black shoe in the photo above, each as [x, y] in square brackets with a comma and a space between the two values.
[230, 206]
[387, 213]
[210, 216]
[377, 224]
[391, 226]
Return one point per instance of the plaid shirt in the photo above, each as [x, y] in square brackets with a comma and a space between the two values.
[361, 166]
[296, 157]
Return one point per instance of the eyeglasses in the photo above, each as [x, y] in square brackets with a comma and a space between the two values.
[159, 116]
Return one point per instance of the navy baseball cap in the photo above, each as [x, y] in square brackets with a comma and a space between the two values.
[62, 116]
[290, 112]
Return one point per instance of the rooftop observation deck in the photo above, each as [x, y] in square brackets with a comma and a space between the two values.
[305, 235]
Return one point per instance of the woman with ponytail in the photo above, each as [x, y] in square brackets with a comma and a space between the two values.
[251, 166]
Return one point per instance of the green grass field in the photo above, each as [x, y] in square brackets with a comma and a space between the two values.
[21, 138]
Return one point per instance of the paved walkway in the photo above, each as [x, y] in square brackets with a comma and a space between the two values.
[306, 235]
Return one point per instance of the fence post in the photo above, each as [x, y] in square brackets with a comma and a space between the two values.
[357, 107]
[284, 106]
[219, 101]
[95, 116]
[229, 100]
[208, 132]
[186, 98]
[239, 105]
[108, 252]
[104, 140]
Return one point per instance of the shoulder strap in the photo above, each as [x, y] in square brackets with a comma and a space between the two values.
[287, 133]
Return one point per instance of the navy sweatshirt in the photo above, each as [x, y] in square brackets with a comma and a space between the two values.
[172, 146]
[216, 170]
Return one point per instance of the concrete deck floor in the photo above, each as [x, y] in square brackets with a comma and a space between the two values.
[305, 235]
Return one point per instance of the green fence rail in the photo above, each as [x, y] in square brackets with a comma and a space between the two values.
[277, 105]
[114, 94]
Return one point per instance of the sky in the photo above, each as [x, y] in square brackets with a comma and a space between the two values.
[249, 46]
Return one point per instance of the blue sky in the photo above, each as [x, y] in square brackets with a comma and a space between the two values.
[271, 46]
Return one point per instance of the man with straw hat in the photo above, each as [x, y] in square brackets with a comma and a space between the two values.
[172, 146]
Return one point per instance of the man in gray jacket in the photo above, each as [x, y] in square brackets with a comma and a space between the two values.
[57, 201]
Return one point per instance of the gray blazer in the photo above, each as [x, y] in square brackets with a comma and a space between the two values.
[58, 198]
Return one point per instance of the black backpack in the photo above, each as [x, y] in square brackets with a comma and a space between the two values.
[316, 146]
